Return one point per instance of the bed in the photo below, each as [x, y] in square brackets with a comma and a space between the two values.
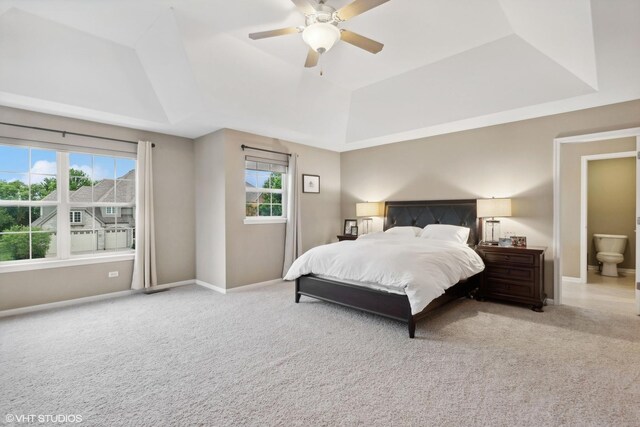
[382, 301]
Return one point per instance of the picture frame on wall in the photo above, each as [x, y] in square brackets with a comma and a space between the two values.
[310, 183]
[349, 225]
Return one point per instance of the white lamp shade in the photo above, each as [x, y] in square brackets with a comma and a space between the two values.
[493, 207]
[321, 36]
[368, 209]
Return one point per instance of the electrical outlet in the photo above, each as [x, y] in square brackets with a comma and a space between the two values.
[113, 274]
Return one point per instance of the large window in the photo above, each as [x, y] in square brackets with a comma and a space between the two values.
[58, 204]
[28, 184]
[265, 188]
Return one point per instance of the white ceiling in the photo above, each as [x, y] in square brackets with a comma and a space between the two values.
[187, 67]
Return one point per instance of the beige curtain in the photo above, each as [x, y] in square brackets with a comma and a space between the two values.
[293, 237]
[144, 266]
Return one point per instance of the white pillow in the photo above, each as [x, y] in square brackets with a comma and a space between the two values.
[405, 231]
[451, 233]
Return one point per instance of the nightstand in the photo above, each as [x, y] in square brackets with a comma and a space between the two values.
[346, 237]
[513, 274]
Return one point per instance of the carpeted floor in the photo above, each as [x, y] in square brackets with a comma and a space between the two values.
[191, 356]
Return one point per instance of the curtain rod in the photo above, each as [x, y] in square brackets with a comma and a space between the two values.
[262, 149]
[64, 133]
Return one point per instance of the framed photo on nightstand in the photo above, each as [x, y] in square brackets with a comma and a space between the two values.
[519, 241]
[349, 224]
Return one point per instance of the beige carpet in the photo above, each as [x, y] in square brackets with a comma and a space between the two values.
[191, 356]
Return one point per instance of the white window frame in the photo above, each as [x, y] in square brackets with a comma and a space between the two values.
[268, 219]
[63, 257]
[72, 216]
[111, 210]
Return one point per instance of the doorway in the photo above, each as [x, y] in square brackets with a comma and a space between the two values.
[607, 208]
[569, 263]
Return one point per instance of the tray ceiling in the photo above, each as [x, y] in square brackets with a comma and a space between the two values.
[188, 68]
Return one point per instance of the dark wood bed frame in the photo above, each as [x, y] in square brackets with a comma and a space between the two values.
[394, 306]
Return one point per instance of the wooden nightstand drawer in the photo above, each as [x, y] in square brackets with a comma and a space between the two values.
[508, 272]
[524, 259]
[513, 274]
[506, 287]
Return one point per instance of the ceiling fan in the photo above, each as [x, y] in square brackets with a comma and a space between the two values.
[321, 29]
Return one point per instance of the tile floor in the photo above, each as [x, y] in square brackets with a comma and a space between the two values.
[610, 294]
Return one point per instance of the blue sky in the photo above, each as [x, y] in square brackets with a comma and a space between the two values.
[15, 165]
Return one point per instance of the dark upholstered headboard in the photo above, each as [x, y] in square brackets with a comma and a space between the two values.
[420, 213]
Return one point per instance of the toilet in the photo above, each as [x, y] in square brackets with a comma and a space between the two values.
[609, 250]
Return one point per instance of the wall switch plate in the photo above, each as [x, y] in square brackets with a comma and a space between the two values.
[113, 274]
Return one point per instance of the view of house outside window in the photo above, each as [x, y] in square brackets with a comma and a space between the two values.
[98, 207]
[265, 189]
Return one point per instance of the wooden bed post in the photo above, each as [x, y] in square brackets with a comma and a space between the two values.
[297, 290]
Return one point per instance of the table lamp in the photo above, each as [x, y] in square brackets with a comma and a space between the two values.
[368, 210]
[492, 208]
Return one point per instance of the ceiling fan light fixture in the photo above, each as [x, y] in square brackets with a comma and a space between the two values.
[321, 36]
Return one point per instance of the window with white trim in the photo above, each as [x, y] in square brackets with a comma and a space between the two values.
[75, 217]
[52, 203]
[265, 188]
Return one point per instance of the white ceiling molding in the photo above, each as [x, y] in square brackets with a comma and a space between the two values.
[188, 67]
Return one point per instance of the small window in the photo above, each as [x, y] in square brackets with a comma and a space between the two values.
[110, 210]
[265, 188]
[75, 217]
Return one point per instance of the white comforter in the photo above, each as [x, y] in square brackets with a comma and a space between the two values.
[420, 268]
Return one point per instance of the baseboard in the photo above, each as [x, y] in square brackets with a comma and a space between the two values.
[255, 285]
[93, 298]
[550, 301]
[572, 279]
[174, 284]
[237, 288]
[210, 286]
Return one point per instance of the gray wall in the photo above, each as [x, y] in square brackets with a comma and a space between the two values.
[514, 160]
[254, 252]
[174, 207]
[611, 199]
[210, 209]
[570, 175]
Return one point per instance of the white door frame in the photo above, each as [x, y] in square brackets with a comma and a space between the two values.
[557, 243]
[584, 185]
[636, 229]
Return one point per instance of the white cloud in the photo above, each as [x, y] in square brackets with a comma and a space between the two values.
[44, 167]
[84, 168]
[96, 173]
[40, 168]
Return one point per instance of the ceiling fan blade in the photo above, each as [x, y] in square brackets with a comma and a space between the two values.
[361, 41]
[304, 6]
[274, 33]
[358, 7]
[312, 59]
